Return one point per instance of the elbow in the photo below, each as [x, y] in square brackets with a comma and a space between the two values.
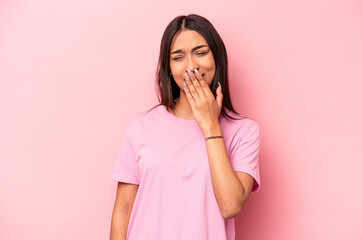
[231, 211]
[233, 207]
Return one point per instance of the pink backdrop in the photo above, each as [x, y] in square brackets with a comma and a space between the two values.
[73, 72]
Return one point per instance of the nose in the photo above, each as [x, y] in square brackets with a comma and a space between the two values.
[192, 67]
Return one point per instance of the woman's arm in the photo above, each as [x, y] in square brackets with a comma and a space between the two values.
[231, 189]
[124, 202]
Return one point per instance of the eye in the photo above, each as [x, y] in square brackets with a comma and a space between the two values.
[201, 53]
[177, 58]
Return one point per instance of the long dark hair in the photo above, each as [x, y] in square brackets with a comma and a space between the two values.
[166, 87]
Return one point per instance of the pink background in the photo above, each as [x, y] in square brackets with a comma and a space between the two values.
[73, 72]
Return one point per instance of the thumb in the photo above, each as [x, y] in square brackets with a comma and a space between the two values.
[219, 97]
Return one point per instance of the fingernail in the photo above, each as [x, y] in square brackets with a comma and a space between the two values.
[220, 85]
[187, 77]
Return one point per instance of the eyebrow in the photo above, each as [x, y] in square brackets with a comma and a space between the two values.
[195, 48]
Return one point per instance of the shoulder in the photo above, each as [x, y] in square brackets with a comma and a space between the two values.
[141, 117]
[241, 126]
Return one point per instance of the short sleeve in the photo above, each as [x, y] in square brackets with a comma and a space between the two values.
[126, 166]
[245, 156]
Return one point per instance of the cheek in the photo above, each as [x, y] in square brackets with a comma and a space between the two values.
[177, 70]
[212, 64]
[208, 64]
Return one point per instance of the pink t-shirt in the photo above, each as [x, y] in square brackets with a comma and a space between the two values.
[167, 157]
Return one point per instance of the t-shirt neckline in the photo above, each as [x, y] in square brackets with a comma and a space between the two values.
[174, 119]
[162, 110]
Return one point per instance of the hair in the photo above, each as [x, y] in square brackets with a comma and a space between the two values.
[166, 87]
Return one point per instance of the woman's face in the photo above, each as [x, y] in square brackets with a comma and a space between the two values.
[190, 50]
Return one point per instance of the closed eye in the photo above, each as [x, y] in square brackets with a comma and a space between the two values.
[199, 53]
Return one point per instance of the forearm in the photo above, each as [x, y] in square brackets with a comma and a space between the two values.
[119, 224]
[228, 189]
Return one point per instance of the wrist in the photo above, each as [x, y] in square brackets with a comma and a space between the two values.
[213, 130]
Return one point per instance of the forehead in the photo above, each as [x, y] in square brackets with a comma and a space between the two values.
[187, 39]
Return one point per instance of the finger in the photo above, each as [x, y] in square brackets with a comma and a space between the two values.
[193, 91]
[188, 94]
[196, 84]
[219, 97]
[203, 84]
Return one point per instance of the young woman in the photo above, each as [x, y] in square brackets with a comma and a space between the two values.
[187, 166]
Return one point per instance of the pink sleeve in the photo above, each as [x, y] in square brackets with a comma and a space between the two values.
[126, 167]
[245, 156]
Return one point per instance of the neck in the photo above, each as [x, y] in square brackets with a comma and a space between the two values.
[182, 107]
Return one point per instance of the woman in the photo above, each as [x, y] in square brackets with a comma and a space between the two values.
[187, 166]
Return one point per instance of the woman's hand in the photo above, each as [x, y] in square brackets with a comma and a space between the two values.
[205, 107]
